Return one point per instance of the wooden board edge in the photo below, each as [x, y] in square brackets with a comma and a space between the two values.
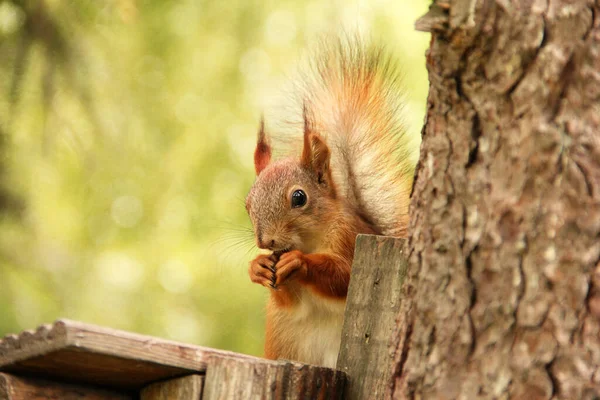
[47, 338]
[65, 334]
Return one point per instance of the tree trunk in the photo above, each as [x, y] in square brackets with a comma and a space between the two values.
[502, 296]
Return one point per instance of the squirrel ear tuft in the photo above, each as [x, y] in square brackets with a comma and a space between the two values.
[315, 153]
[262, 154]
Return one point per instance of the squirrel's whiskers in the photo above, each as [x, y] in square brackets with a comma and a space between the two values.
[233, 242]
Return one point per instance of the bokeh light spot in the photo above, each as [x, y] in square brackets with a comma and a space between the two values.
[175, 276]
[255, 65]
[120, 270]
[280, 28]
[11, 18]
[127, 211]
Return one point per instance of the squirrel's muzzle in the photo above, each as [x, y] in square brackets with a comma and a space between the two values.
[265, 242]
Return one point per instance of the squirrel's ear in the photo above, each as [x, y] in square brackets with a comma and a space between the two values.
[315, 153]
[262, 154]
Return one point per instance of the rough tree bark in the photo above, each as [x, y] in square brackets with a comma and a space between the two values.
[502, 296]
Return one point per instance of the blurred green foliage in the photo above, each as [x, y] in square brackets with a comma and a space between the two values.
[127, 130]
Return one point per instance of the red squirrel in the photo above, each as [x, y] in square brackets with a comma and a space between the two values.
[352, 175]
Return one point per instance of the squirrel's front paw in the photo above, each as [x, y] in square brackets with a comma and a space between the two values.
[262, 270]
[290, 264]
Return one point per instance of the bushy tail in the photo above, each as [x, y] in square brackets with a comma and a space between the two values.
[354, 98]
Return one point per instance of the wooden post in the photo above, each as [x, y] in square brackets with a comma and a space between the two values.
[187, 387]
[373, 300]
[234, 378]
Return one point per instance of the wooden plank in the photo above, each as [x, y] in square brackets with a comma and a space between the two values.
[234, 378]
[25, 388]
[373, 300]
[81, 352]
[185, 388]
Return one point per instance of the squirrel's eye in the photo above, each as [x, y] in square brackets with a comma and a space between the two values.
[298, 198]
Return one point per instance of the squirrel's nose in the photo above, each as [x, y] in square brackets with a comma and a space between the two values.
[265, 242]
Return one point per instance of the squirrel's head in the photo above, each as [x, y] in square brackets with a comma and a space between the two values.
[292, 199]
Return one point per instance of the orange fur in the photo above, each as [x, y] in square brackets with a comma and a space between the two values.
[262, 154]
[352, 176]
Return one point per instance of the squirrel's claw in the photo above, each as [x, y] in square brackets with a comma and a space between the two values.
[290, 264]
[262, 271]
[272, 272]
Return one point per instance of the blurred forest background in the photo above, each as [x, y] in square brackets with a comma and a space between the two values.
[126, 136]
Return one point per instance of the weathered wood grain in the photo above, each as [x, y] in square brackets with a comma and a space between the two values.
[78, 352]
[185, 388]
[25, 388]
[87, 353]
[234, 378]
[373, 300]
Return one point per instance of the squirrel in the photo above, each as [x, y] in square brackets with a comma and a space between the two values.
[352, 174]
